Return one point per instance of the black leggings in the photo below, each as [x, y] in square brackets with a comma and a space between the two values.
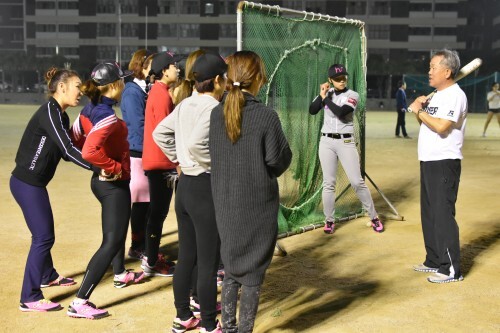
[138, 221]
[115, 211]
[160, 196]
[199, 245]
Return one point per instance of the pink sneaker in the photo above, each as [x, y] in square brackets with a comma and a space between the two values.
[42, 305]
[129, 278]
[195, 307]
[220, 277]
[377, 225]
[180, 326]
[86, 310]
[329, 227]
[217, 329]
[60, 281]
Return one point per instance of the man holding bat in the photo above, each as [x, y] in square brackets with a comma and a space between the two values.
[442, 119]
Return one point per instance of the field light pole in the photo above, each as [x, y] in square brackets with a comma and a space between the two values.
[3, 85]
[119, 55]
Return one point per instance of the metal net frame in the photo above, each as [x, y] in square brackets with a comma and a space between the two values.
[297, 48]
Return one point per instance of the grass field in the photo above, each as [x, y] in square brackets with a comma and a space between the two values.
[351, 281]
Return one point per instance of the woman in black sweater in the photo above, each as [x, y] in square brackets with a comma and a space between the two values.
[249, 151]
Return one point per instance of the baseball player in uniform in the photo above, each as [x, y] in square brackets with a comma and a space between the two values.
[442, 125]
[337, 143]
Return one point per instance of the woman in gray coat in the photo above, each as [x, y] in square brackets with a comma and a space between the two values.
[248, 150]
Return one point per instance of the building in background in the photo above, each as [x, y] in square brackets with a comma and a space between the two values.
[400, 33]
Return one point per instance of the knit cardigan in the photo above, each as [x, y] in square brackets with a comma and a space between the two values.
[245, 189]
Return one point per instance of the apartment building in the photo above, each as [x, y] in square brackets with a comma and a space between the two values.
[92, 30]
[101, 29]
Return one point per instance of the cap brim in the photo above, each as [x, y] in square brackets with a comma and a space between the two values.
[339, 74]
[127, 73]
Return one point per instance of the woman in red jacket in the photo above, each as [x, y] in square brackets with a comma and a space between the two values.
[161, 172]
[105, 146]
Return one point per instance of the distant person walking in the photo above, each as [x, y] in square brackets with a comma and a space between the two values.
[493, 98]
[401, 107]
[442, 122]
[45, 141]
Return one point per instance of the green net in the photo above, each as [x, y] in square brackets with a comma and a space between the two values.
[476, 87]
[297, 49]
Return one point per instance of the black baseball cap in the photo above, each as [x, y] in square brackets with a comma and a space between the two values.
[208, 66]
[108, 72]
[336, 70]
[163, 60]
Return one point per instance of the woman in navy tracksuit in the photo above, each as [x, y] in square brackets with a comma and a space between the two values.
[45, 141]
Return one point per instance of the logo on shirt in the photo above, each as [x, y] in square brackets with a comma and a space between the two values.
[432, 110]
[38, 152]
[450, 114]
[352, 101]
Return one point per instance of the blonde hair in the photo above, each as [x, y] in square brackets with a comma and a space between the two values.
[94, 92]
[244, 67]
[185, 89]
[55, 75]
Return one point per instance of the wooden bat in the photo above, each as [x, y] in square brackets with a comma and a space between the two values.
[464, 71]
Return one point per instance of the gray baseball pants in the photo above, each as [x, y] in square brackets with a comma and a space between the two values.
[330, 152]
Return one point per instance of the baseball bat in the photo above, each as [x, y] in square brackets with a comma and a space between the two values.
[464, 71]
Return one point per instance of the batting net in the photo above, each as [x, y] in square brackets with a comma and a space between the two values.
[297, 49]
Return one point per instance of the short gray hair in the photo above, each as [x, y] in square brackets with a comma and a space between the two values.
[450, 60]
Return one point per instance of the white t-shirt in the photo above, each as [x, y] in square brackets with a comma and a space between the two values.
[495, 102]
[450, 104]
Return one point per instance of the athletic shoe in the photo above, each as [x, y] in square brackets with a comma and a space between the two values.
[86, 310]
[425, 269]
[128, 278]
[217, 329]
[220, 277]
[195, 307]
[442, 278]
[329, 227]
[136, 254]
[60, 281]
[407, 137]
[161, 268]
[42, 305]
[377, 225]
[180, 326]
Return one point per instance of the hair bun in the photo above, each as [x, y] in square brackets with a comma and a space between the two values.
[50, 73]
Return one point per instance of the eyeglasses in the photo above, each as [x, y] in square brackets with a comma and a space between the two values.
[340, 79]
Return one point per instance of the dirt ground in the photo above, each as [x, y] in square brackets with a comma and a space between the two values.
[352, 281]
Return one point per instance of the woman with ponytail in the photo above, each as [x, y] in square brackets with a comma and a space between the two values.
[186, 88]
[249, 151]
[105, 144]
[45, 141]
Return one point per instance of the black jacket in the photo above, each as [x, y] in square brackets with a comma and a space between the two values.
[44, 142]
